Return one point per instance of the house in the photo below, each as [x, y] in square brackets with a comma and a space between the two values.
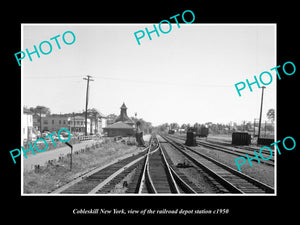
[95, 124]
[77, 124]
[27, 125]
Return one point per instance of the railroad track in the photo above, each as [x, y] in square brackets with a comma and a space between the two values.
[103, 177]
[156, 174]
[230, 146]
[234, 151]
[232, 180]
[235, 148]
[159, 175]
[242, 147]
[153, 174]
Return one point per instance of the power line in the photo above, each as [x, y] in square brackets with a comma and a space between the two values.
[140, 81]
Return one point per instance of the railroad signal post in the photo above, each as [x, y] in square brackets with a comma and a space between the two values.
[71, 146]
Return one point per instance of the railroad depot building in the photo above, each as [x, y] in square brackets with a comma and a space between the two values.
[122, 126]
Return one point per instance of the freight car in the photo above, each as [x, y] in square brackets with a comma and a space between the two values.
[171, 131]
[201, 131]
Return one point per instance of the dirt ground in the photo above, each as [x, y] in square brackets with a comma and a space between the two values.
[57, 173]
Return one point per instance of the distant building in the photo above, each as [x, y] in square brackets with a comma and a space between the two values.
[119, 129]
[27, 125]
[74, 122]
[122, 126]
[95, 125]
[123, 116]
[54, 122]
[36, 121]
[77, 124]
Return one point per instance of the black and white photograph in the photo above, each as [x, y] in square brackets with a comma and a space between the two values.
[137, 112]
[182, 113]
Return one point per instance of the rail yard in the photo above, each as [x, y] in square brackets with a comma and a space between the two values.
[167, 166]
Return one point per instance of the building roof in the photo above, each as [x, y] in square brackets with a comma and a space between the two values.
[123, 106]
[123, 116]
[27, 111]
[119, 125]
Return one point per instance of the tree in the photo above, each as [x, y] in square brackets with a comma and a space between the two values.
[144, 125]
[196, 125]
[271, 115]
[40, 110]
[163, 127]
[248, 126]
[208, 124]
[93, 112]
[183, 126]
[111, 117]
[174, 126]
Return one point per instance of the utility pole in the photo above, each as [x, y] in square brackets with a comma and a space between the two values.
[74, 129]
[41, 121]
[261, 106]
[40, 111]
[86, 101]
[254, 128]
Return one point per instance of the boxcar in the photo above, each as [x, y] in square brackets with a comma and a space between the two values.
[201, 131]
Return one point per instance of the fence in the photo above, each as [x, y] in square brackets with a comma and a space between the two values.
[37, 168]
[267, 129]
[41, 145]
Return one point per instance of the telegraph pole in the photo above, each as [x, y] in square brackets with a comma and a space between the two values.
[86, 101]
[261, 106]
[74, 129]
[41, 120]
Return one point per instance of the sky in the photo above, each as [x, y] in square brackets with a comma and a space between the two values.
[185, 76]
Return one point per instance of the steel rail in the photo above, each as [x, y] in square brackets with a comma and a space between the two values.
[183, 149]
[229, 186]
[231, 151]
[173, 180]
[97, 170]
[235, 152]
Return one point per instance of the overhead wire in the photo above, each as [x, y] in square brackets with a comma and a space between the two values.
[133, 80]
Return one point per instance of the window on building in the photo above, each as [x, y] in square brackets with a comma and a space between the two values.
[59, 121]
[52, 121]
[64, 122]
[45, 121]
